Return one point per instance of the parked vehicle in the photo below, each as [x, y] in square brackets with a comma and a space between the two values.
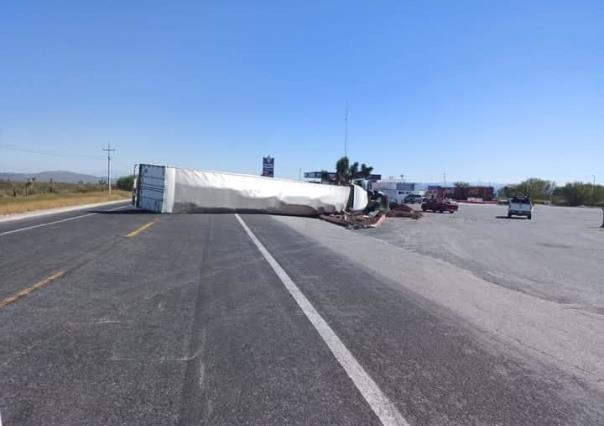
[413, 198]
[520, 206]
[440, 206]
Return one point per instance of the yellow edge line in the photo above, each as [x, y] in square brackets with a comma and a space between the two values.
[141, 229]
[28, 290]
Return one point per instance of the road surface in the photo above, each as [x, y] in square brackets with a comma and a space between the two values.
[124, 317]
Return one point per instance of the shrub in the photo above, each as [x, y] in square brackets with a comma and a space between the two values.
[125, 183]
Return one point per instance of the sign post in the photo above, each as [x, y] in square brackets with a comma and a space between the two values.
[268, 166]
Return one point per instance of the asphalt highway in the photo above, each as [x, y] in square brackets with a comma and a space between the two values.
[125, 317]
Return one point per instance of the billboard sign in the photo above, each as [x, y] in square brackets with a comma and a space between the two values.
[268, 166]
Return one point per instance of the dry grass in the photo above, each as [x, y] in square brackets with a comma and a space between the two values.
[11, 205]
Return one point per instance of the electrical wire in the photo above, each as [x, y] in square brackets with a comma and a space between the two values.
[32, 151]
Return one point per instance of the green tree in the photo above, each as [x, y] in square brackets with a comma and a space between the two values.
[461, 184]
[353, 170]
[536, 188]
[365, 171]
[125, 183]
[579, 194]
[342, 171]
[345, 172]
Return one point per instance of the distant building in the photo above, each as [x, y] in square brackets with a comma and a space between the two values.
[318, 177]
[395, 189]
[393, 185]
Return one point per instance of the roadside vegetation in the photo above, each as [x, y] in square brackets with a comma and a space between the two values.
[346, 172]
[19, 197]
[546, 191]
[125, 183]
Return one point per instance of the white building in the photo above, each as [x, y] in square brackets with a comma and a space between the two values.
[395, 189]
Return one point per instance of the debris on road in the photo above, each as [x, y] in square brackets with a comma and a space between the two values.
[372, 216]
[355, 220]
[402, 210]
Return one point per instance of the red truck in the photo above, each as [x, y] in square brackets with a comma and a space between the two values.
[440, 206]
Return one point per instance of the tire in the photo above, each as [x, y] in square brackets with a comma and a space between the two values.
[529, 217]
[509, 215]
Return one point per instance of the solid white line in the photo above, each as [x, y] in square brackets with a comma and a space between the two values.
[27, 228]
[383, 408]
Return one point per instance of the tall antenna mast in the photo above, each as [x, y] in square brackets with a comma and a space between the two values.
[346, 131]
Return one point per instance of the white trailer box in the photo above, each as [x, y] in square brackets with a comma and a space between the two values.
[165, 189]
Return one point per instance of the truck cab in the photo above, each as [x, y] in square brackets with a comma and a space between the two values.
[520, 206]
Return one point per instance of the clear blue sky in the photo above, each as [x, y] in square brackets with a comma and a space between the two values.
[484, 90]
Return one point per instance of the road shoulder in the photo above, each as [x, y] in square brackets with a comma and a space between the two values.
[58, 210]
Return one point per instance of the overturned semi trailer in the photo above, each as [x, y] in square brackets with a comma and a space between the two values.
[165, 189]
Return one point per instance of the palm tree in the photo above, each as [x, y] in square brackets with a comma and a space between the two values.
[342, 171]
[346, 172]
[365, 170]
[353, 170]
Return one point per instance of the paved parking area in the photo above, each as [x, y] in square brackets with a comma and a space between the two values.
[557, 256]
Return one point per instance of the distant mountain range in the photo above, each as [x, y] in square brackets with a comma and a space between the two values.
[56, 176]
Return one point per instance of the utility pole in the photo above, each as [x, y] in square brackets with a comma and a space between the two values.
[346, 131]
[109, 150]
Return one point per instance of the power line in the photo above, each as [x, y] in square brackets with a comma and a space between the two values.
[125, 166]
[52, 154]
